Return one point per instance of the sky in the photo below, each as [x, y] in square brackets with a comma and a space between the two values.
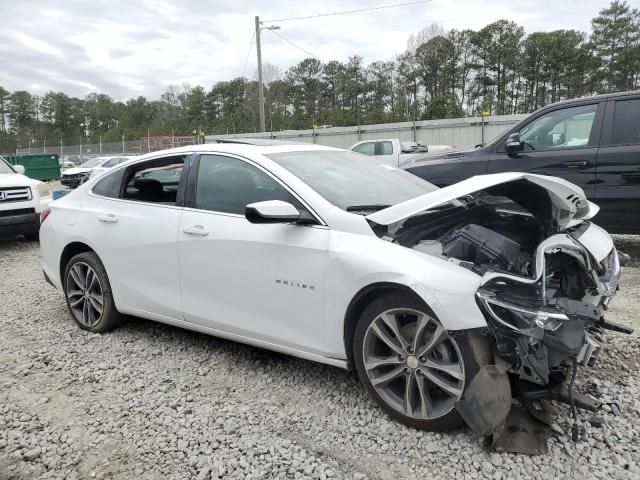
[126, 48]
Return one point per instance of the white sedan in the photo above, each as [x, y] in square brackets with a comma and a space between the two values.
[437, 297]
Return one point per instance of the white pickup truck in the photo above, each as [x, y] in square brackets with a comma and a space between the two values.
[394, 152]
[22, 199]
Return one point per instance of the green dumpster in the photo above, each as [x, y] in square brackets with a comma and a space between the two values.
[39, 167]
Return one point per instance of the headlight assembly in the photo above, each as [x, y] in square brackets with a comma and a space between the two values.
[44, 190]
[526, 321]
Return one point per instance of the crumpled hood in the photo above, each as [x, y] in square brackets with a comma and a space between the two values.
[569, 201]
[76, 170]
[17, 180]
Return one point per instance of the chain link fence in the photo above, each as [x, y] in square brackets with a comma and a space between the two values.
[80, 153]
[458, 132]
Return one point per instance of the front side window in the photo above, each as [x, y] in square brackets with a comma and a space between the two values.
[386, 148]
[626, 122]
[351, 181]
[366, 148]
[228, 185]
[154, 181]
[560, 129]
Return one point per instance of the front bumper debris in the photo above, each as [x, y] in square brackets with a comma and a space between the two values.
[540, 330]
[486, 401]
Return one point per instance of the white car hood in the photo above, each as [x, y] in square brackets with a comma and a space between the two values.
[76, 170]
[569, 201]
[17, 180]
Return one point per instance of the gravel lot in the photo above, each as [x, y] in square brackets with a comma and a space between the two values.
[151, 401]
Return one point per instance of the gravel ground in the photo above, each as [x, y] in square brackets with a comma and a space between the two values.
[150, 401]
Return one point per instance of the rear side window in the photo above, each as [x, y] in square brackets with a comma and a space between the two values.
[366, 148]
[110, 185]
[154, 181]
[386, 148]
[626, 122]
[228, 185]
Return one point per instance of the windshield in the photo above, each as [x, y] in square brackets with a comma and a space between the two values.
[94, 162]
[4, 168]
[353, 181]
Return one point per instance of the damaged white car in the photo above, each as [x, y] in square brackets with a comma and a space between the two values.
[448, 302]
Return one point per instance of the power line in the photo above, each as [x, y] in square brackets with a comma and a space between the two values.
[244, 69]
[297, 46]
[346, 12]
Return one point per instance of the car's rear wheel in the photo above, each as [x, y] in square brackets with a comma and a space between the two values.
[410, 365]
[88, 294]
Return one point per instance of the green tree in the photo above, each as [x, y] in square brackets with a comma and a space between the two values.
[616, 41]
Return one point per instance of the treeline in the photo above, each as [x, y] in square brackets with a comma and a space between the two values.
[442, 74]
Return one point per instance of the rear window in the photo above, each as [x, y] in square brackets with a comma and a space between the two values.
[386, 148]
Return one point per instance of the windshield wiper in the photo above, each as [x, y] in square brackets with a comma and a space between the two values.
[364, 208]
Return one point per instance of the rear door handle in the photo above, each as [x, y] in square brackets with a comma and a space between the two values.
[577, 164]
[197, 230]
[108, 218]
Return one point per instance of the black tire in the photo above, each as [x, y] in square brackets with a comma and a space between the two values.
[109, 318]
[474, 349]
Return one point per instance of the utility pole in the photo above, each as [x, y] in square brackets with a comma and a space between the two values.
[260, 84]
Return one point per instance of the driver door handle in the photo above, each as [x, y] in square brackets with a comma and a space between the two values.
[577, 164]
[197, 230]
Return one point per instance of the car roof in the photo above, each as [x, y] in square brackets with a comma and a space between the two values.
[239, 149]
[591, 98]
[256, 141]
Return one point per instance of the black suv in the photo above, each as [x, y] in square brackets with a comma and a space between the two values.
[593, 142]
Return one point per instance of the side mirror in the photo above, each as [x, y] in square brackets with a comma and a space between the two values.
[19, 169]
[513, 144]
[271, 211]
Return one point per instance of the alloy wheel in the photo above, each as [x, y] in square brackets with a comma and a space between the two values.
[413, 364]
[85, 295]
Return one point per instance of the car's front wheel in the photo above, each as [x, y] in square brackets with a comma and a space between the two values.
[410, 365]
[88, 294]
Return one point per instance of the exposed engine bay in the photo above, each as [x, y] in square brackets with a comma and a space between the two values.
[543, 293]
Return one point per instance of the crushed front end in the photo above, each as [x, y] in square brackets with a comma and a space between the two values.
[541, 327]
[547, 280]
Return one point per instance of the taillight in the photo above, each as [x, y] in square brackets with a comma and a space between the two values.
[44, 214]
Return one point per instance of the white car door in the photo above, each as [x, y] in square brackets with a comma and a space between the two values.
[134, 230]
[258, 281]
